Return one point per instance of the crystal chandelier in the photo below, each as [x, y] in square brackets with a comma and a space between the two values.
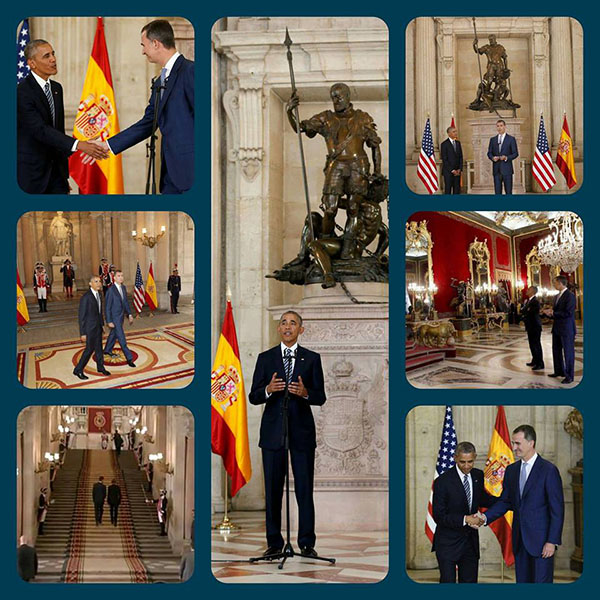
[563, 248]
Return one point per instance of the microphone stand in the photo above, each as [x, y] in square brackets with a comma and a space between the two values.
[151, 146]
[288, 550]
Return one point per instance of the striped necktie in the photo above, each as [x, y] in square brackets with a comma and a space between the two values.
[467, 490]
[163, 77]
[287, 356]
[48, 93]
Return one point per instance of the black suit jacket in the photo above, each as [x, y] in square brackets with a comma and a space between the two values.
[98, 493]
[531, 314]
[451, 159]
[564, 314]
[114, 494]
[451, 537]
[40, 143]
[90, 318]
[301, 422]
[27, 562]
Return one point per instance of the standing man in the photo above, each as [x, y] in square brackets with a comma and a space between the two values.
[98, 497]
[532, 489]
[288, 370]
[175, 110]
[563, 330]
[118, 441]
[452, 161]
[90, 328]
[502, 151]
[104, 273]
[42, 509]
[533, 326]
[457, 495]
[117, 306]
[161, 510]
[114, 499]
[43, 149]
[346, 132]
[68, 273]
[27, 560]
[41, 287]
[174, 287]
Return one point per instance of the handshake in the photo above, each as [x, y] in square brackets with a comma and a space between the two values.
[92, 150]
[476, 520]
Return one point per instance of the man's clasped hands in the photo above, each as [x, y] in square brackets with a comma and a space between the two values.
[475, 521]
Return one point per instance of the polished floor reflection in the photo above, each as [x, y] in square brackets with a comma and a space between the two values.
[361, 557]
[496, 359]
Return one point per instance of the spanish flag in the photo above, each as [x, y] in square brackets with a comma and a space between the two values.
[97, 119]
[499, 457]
[151, 300]
[564, 158]
[229, 425]
[22, 312]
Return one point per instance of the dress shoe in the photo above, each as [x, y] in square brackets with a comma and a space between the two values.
[308, 552]
[105, 372]
[529, 364]
[555, 375]
[567, 380]
[80, 375]
[272, 551]
[538, 368]
[131, 363]
[111, 354]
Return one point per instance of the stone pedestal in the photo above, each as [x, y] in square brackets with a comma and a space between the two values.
[351, 466]
[482, 129]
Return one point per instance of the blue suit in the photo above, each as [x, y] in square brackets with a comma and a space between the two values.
[538, 517]
[176, 124]
[563, 335]
[116, 309]
[503, 170]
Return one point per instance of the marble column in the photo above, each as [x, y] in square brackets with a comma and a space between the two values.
[27, 245]
[95, 250]
[561, 73]
[116, 243]
[163, 266]
[425, 77]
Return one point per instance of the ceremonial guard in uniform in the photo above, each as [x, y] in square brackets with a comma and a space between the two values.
[174, 287]
[42, 509]
[68, 277]
[104, 273]
[161, 509]
[41, 286]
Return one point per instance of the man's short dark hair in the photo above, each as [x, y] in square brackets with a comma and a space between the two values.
[562, 279]
[449, 128]
[291, 312]
[118, 271]
[160, 30]
[528, 432]
[101, 478]
[534, 288]
[501, 121]
[114, 481]
[465, 448]
[32, 46]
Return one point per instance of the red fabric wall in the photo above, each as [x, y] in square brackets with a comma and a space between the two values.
[451, 239]
[99, 419]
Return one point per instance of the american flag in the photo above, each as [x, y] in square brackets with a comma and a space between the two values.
[22, 41]
[426, 168]
[138, 292]
[541, 165]
[445, 461]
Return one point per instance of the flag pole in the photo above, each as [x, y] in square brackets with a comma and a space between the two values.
[226, 525]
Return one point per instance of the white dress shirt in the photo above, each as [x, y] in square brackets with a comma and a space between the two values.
[461, 476]
[169, 64]
[42, 83]
[501, 139]
[528, 465]
[283, 348]
[98, 301]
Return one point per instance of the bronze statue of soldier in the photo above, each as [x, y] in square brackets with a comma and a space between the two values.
[346, 131]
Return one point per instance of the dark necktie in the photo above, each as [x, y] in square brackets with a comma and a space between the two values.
[99, 302]
[287, 356]
[467, 490]
[48, 93]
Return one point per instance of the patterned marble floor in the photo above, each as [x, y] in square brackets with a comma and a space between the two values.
[433, 576]
[496, 359]
[361, 557]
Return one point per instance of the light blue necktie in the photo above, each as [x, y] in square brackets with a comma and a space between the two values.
[48, 93]
[163, 77]
[523, 477]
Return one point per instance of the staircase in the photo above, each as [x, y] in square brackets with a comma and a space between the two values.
[418, 357]
[74, 549]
